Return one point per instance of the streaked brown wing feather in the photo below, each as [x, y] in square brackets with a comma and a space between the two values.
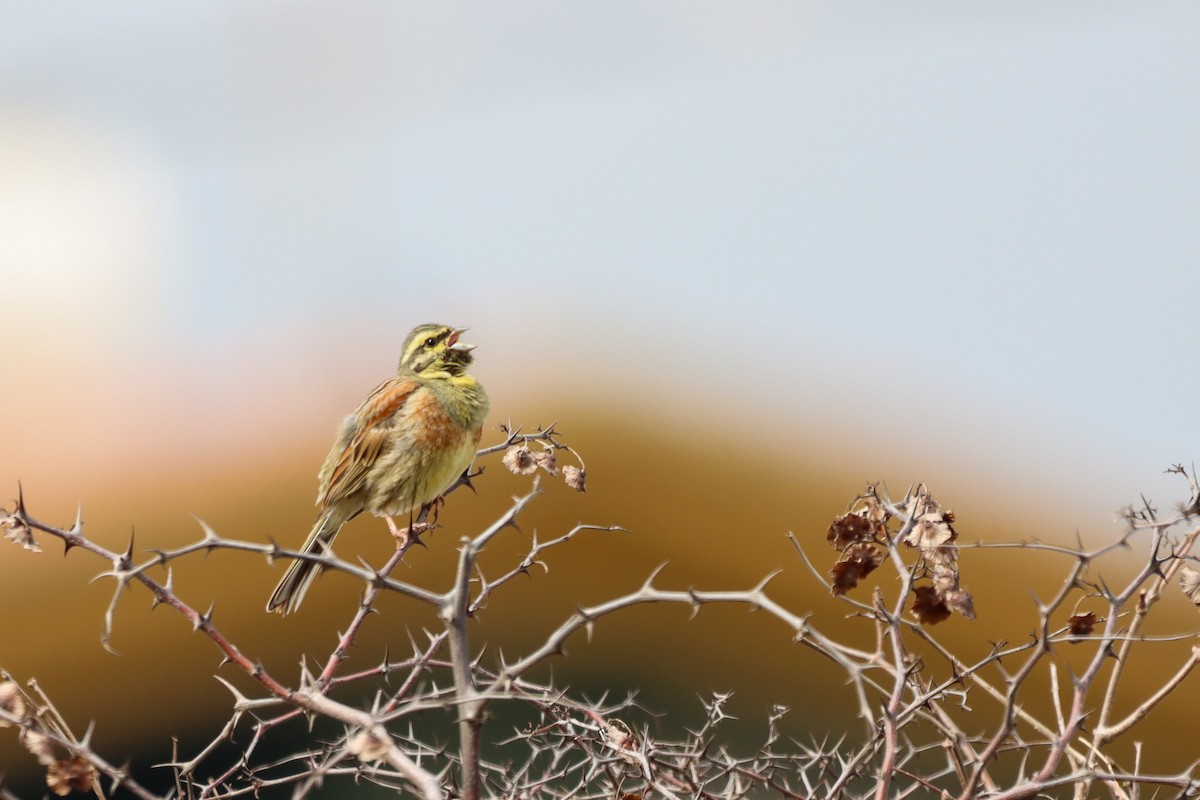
[373, 429]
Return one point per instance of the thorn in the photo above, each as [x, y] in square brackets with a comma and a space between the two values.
[205, 618]
[86, 741]
[306, 676]
[211, 539]
[162, 555]
[112, 573]
[654, 573]
[475, 662]
[127, 556]
[362, 562]
[769, 577]
[76, 529]
[20, 510]
[118, 778]
[238, 697]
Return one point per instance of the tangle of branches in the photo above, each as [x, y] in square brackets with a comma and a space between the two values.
[931, 723]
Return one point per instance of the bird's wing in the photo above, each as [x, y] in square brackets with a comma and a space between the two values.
[364, 436]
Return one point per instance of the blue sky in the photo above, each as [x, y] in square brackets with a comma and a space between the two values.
[969, 230]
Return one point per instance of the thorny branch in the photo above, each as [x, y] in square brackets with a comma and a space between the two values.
[922, 734]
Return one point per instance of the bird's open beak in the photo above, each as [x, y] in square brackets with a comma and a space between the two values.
[455, 344]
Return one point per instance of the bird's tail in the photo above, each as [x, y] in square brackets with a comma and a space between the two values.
[300, 574]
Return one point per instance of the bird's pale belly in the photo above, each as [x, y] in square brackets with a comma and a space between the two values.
[428, 479]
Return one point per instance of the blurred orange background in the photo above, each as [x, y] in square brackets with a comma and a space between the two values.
[750, 259]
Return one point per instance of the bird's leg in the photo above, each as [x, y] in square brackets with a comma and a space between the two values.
[401, 534]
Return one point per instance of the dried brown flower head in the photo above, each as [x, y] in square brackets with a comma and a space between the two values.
[851, 529]
[75, 774]
[961, 602]
[546, 460]
[621, 739]
[933, 535]
[575, 477]
[932, 527]
[928, 607]
[39, 744]
[857, 563]
[1189, 581]
[12, 702]
[1083, 624]
[519, 460]
[16, 531]
[368, 747]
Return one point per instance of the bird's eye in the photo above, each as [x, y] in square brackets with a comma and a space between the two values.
[430, 342]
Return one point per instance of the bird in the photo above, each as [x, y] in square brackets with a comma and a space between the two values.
[400, 450]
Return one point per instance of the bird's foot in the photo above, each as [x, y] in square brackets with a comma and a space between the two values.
[401, 534]
[434, 509]
[409, 535]
[418, 529]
